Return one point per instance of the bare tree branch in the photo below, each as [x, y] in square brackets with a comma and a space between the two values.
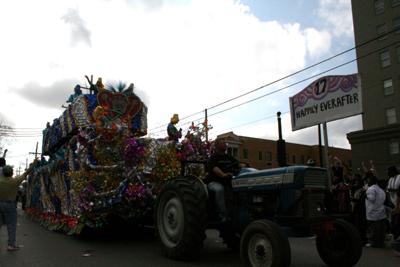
[6, 135]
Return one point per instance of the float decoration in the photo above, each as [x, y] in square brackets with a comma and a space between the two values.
[100, 165]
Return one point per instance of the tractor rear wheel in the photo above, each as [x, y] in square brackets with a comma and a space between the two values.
[180, 218]
[341, 248]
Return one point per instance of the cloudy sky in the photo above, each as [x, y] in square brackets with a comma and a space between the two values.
[183, 57]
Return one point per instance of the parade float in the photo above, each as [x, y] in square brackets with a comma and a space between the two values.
[97, 161]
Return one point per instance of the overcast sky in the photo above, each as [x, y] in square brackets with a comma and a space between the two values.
[183, 57]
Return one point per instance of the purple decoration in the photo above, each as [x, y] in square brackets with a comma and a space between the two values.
[133, 151]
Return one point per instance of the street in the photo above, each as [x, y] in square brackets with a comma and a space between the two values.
[136, 246]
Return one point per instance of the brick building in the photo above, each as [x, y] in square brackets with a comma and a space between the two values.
[262, 153]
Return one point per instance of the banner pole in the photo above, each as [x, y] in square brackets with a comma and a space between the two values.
[327, 161]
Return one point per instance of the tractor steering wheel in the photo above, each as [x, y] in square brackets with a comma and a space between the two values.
[234, 167]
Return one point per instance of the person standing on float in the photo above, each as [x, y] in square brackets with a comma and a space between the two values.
[173, 133]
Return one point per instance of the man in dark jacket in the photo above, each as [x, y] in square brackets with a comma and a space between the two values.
[219, 177]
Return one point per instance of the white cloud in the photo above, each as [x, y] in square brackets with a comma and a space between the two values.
[336, 14]
[182, 58]
[79, 32]
[318, 42]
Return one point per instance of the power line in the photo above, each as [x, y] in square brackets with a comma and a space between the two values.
[273, 116]
[368, 54]
[290, 75]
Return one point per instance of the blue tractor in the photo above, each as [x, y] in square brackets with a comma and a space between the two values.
[265, 207]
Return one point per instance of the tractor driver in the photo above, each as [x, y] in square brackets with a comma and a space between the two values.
[219, 177]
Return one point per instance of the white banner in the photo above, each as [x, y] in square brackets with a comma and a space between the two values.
[328, 98]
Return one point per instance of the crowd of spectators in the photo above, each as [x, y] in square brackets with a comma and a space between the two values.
[374, 210]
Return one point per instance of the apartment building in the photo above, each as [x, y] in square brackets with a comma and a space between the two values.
[377, 38]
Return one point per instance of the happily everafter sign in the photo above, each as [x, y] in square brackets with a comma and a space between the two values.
[326, 99]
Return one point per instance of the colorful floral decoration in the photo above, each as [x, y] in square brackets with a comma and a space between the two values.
[100, 166]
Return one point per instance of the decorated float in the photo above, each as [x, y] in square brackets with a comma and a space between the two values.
[97, 161]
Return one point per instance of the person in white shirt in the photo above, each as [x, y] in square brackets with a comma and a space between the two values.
[393, 183]
[375, 212]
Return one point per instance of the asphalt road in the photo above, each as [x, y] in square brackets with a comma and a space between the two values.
[136, 246]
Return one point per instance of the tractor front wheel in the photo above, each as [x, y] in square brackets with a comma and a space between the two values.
[264, 244]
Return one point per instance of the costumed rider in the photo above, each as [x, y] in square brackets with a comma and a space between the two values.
[95, 88]
[173, 133]
[219, 177]
[77, 93]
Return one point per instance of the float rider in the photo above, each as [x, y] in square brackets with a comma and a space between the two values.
[173, 133]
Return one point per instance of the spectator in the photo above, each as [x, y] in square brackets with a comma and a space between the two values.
[337, 168]
[393, 184]
[8, 211]
[391, 199]
[343, 201]
[2, 163]
[358, 209]
[396, 213]
[336, 184]
[375, 212]
[371, 170]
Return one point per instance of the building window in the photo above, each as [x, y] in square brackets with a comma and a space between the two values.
[235, 153]
[398, 53]
[302, 160]
[269, 156]
[382, 32]
[388, 87]
[394, 146]
[287, 158]
[379, 7]
[395, 2]
[391, 115]
[245, 156]
[396, 25]
[385, 59]
[294, 159]
[260, 155]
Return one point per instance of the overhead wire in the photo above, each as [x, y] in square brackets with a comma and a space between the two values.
[290, 75]
[341, 65]
[285, 112]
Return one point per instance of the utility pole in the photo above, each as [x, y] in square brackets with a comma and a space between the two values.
[320, 146]
[36, 153]
[206, 126]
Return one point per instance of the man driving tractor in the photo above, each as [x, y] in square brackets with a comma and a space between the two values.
[219, 176]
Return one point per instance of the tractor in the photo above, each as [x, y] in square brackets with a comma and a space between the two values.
[265, 207]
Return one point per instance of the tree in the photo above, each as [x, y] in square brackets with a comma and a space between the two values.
[6, 136]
